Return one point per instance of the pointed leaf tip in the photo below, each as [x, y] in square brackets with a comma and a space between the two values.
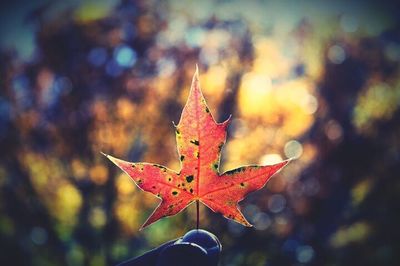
[227, 121]
[196, 76]
[287, 161]
[116, 161]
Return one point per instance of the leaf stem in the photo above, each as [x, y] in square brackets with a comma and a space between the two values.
[198, 214]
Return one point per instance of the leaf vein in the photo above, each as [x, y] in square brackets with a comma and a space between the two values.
[231, 185]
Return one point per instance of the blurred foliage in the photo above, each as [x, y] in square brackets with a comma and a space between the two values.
[318, 82]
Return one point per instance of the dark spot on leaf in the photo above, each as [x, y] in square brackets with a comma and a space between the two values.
[139, 181]
[191, 190]
[161, 167]
[237, 170]
[133, 166]
[197, 154]
[242, 184]
[183, 184]
[169, 179]
[174, 193]
[207, 110]
[220, 146]
[154, 187]
[179, 185]
[182, 157]
[171, 206]
[177, 131]
[189, 178]
[215, 166]
[195, 142]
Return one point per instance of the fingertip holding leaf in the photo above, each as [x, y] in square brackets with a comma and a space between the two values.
[199, 141]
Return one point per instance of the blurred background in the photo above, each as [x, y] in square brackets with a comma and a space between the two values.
[314, 80]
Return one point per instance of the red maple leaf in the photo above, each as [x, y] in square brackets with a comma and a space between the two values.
[199, 141]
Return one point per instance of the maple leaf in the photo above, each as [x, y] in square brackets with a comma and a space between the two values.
[199, 141]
